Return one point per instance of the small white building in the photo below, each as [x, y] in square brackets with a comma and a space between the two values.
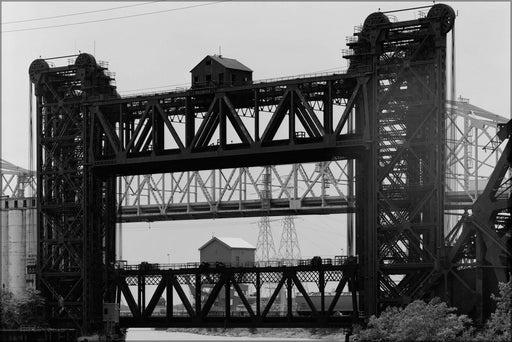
[232, 252]
[228, 250]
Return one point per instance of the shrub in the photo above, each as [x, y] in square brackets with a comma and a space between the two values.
[418, 321]
[499, 327]
[25, 310]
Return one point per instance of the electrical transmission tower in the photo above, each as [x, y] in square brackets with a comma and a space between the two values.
[265, 249]
[289, 248]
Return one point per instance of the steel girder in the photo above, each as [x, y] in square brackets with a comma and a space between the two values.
[208, 296]
[76, 210]
[478, 249]
[88, 135]
[320, 188]
[403, 189]
[387, 112]
[470, 158]
[15, 181]
[472, 153]
[138, 133]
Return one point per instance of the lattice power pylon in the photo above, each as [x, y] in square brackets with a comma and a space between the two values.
[289, 248]
[265, 249]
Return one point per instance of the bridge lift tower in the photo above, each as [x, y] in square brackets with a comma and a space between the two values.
[394, 94]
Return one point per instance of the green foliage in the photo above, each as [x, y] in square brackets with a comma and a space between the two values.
[418, 321]
[22, 311]
[499, 327]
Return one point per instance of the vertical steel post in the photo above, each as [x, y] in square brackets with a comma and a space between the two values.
[169, 292]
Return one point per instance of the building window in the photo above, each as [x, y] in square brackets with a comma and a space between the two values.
[196, 79]
[208, 62]
[221, 78]
[233, 79]
[237, 259]
[208, 78]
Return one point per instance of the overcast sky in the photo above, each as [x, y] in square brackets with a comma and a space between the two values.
[154, 52]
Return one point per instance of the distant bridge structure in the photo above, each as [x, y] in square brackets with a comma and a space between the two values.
[15, 181]
[385, 119]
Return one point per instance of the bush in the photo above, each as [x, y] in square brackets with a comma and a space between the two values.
[499, 326]
[418, 321]
[23, 311]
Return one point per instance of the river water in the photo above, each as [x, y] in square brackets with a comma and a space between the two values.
[147, 334]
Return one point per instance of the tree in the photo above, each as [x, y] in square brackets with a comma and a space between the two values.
[499, 326]
[25, 310]
[418, 321]
[30, 308]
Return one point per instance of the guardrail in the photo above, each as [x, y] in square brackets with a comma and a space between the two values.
[267, 80]
[301, 76]
[337, 260]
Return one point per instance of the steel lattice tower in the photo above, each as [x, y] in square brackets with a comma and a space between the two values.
[289, 248]
[76, 206]
[265, 248]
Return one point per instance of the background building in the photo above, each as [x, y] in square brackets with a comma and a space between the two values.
[228, 250]
[220, 71]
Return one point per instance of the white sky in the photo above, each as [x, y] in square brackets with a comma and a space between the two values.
[272, 38]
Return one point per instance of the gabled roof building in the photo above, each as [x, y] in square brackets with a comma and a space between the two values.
[227, 250]
[217, 70]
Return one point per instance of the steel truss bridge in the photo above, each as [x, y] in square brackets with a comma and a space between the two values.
[473, 149]
[207, 282]
[384, 120]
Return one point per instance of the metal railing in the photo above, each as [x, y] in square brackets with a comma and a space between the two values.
[302, 76]
[261, 81]
[337, 260]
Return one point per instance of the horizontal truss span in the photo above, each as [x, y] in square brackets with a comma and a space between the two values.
[214, 291]
[301, 120]
[233, 210]
[319, 188]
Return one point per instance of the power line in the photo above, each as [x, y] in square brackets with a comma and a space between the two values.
[78, 13]
[115, 18]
